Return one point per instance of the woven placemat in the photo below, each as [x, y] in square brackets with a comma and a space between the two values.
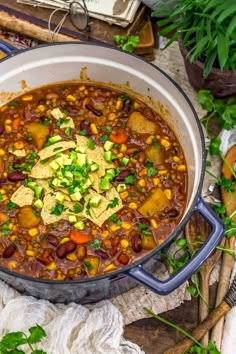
[132, 302]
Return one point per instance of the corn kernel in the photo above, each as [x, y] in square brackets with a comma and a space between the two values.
[110, 267]
[133, 205]
[82, 88]
[158, 137]
[86, 92]
[8, 121]
[71, 257]
[10, 226]
[94, 128]
[40, 108]
[19, 145]
[176, 159]
[8, 128]
[162, 172]
[33, 232]
[51, 266]
[123, 148]
[30, 253]
[136, 105]
[133, 160]
[112, 116]
[119, 104]
[181, 168]
[165, 143]
[94, 232]
[70, 98]
[105, 233]
[2, 152]
[27, 98]
[143, 172]
[126, 225]
[65, 239]
[124, 195]
[3, 108]
[60, 275]
[124, 243]
[154, 223]
[12, 264]
[114, 227]
[13, 238]
[120, 155]
[142, 182]
[150, 139]
[156, 181]
[168, 193]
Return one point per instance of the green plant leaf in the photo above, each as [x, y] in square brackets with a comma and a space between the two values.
[209, 63]
[198, 49]
[223, 49]
[226, 13]
[36, 334]
[13, 340]
[231, 26]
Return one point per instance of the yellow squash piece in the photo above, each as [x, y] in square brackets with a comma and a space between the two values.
[27, 217]
[156, 203]
[39, 133]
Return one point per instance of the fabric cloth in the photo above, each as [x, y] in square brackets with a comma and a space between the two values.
[71, 329]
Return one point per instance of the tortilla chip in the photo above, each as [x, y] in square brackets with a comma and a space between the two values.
[49, 202]
[18, 153]
[69, 124]
[41, 170]
[52, 149]
[96, 155]
[57, 113]
[23, 196]
[101, 213]
[45, 185]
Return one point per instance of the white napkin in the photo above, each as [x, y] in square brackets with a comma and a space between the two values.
[71, 329]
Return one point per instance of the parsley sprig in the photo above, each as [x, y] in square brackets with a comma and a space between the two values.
[11, 342]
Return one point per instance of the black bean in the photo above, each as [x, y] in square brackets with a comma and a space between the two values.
[85, 125]
[2, 129]
[8, 252]
[102, 254]
[16, 176]
[93, 110]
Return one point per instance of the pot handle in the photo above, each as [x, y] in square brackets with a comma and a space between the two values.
[7, 48]
[166, 286]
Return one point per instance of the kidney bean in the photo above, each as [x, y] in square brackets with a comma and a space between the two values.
[53, 240]
[141, 157]
[84, 125]
[132, 150]
[9, 251]
[102, 254]
[71, 111]
[136, 243]
[122, 175]
[173, 213]
[123, 258]
[45, 257]
[66, 248]
[81, 252]
[126, 108]
[52, 95]
[2, 129]
[16, 176]
[93, 110]
[144, 221]
[3, 181]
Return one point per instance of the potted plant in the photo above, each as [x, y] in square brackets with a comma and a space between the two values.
[206, 30]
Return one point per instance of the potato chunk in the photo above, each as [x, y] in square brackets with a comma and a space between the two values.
[27, 217]
[157, 202]
[155, 155]
[148, 242]
[141, 125]
[39, 133]
[92, 263]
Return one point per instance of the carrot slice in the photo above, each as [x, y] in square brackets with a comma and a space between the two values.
[16, 124]
[79, 237]
[118, 136]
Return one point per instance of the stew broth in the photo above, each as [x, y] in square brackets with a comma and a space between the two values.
[91, 179]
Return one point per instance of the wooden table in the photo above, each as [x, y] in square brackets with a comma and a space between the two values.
[155, 337]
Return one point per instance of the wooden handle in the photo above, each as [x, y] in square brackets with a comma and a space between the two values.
[29, 29]
[225, 273]
[184, 345]
[204, 276]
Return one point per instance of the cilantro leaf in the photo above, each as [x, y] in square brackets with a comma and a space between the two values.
[96, 244]
[113, 218]
[1, 197]
[88, 265]
[11, 205]
[126, 42]
[214, 146]
[130, 179]
[104, 137]
[58, 209]
[227, 184]
[206, 100]
[36, 334]
[77, 208]
[151, 172]
[154, 143]
[13, 340]
[113, 203]
[142, 227]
